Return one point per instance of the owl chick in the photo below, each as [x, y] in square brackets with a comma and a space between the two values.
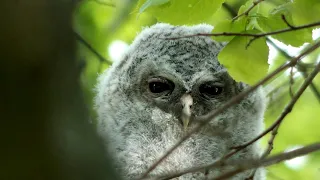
[147, 101]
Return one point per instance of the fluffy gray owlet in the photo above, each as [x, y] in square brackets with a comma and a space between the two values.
[146, 100]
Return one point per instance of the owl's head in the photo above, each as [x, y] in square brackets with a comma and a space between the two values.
[180, 76]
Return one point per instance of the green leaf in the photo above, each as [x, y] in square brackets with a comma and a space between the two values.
[241, 24]
[150, 3]
[184, 12]
[245, 64]
[246, 6]
[264, 8]
[275, 22]
[305, 11]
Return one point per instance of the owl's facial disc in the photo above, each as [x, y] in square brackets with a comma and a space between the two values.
[186, 101]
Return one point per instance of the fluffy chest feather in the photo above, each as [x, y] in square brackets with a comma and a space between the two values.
[142, 148]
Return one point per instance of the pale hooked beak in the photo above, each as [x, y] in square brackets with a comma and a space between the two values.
[186, 101]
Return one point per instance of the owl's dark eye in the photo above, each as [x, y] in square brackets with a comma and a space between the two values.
[210, 89]
[160, 85]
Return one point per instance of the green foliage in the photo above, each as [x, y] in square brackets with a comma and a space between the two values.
[275, 22]
[93, 20]
[298, 128]
[181, 12]
[305, 11]
[242, 61]
[272, 21]
[243, 8]
[150, 3]
[250, 18]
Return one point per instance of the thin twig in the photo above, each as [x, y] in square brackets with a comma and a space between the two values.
[301, 67]
[219, 163]
[286, 21]
[245, 165]
[205, 119]
[288, 108]
[313, 87]
[85, 43]
[230, 10]
[275, 131]
[290, 64]
[279, 86]
[284, 53]
[255, 36]
[254, 4]
[291, 82]
[270, 142]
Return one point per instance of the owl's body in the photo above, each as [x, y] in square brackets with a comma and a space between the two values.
[141, 100]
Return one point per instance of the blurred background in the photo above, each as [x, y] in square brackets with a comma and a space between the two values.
[109, 31]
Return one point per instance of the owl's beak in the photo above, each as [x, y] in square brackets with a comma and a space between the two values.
[186, 101]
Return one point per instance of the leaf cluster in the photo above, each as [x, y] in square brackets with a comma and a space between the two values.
[245, 62]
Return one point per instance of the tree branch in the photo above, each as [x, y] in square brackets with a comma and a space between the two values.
[255, 3]
[313, 87]
[300, 65]
[301, 68]
[270, 142]
[243, 165]
[230, 10]
[286, 21]
[255, 36]
[287, 110]
[205, 119]
[85, 43]
[274, 127]
[291, 82]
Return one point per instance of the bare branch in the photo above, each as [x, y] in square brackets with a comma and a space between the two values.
[246, 13]
[286, 21]
[313, 87]
[287, 110]
[270, 142]
[291, 82]
[230, 10]
[275, 130]
[246, 165]
[243, 165]
[284, 53]
[291, 63]
[301, 67]
[85, 43]
[219, 163]
[205, 119]
[255, 36]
